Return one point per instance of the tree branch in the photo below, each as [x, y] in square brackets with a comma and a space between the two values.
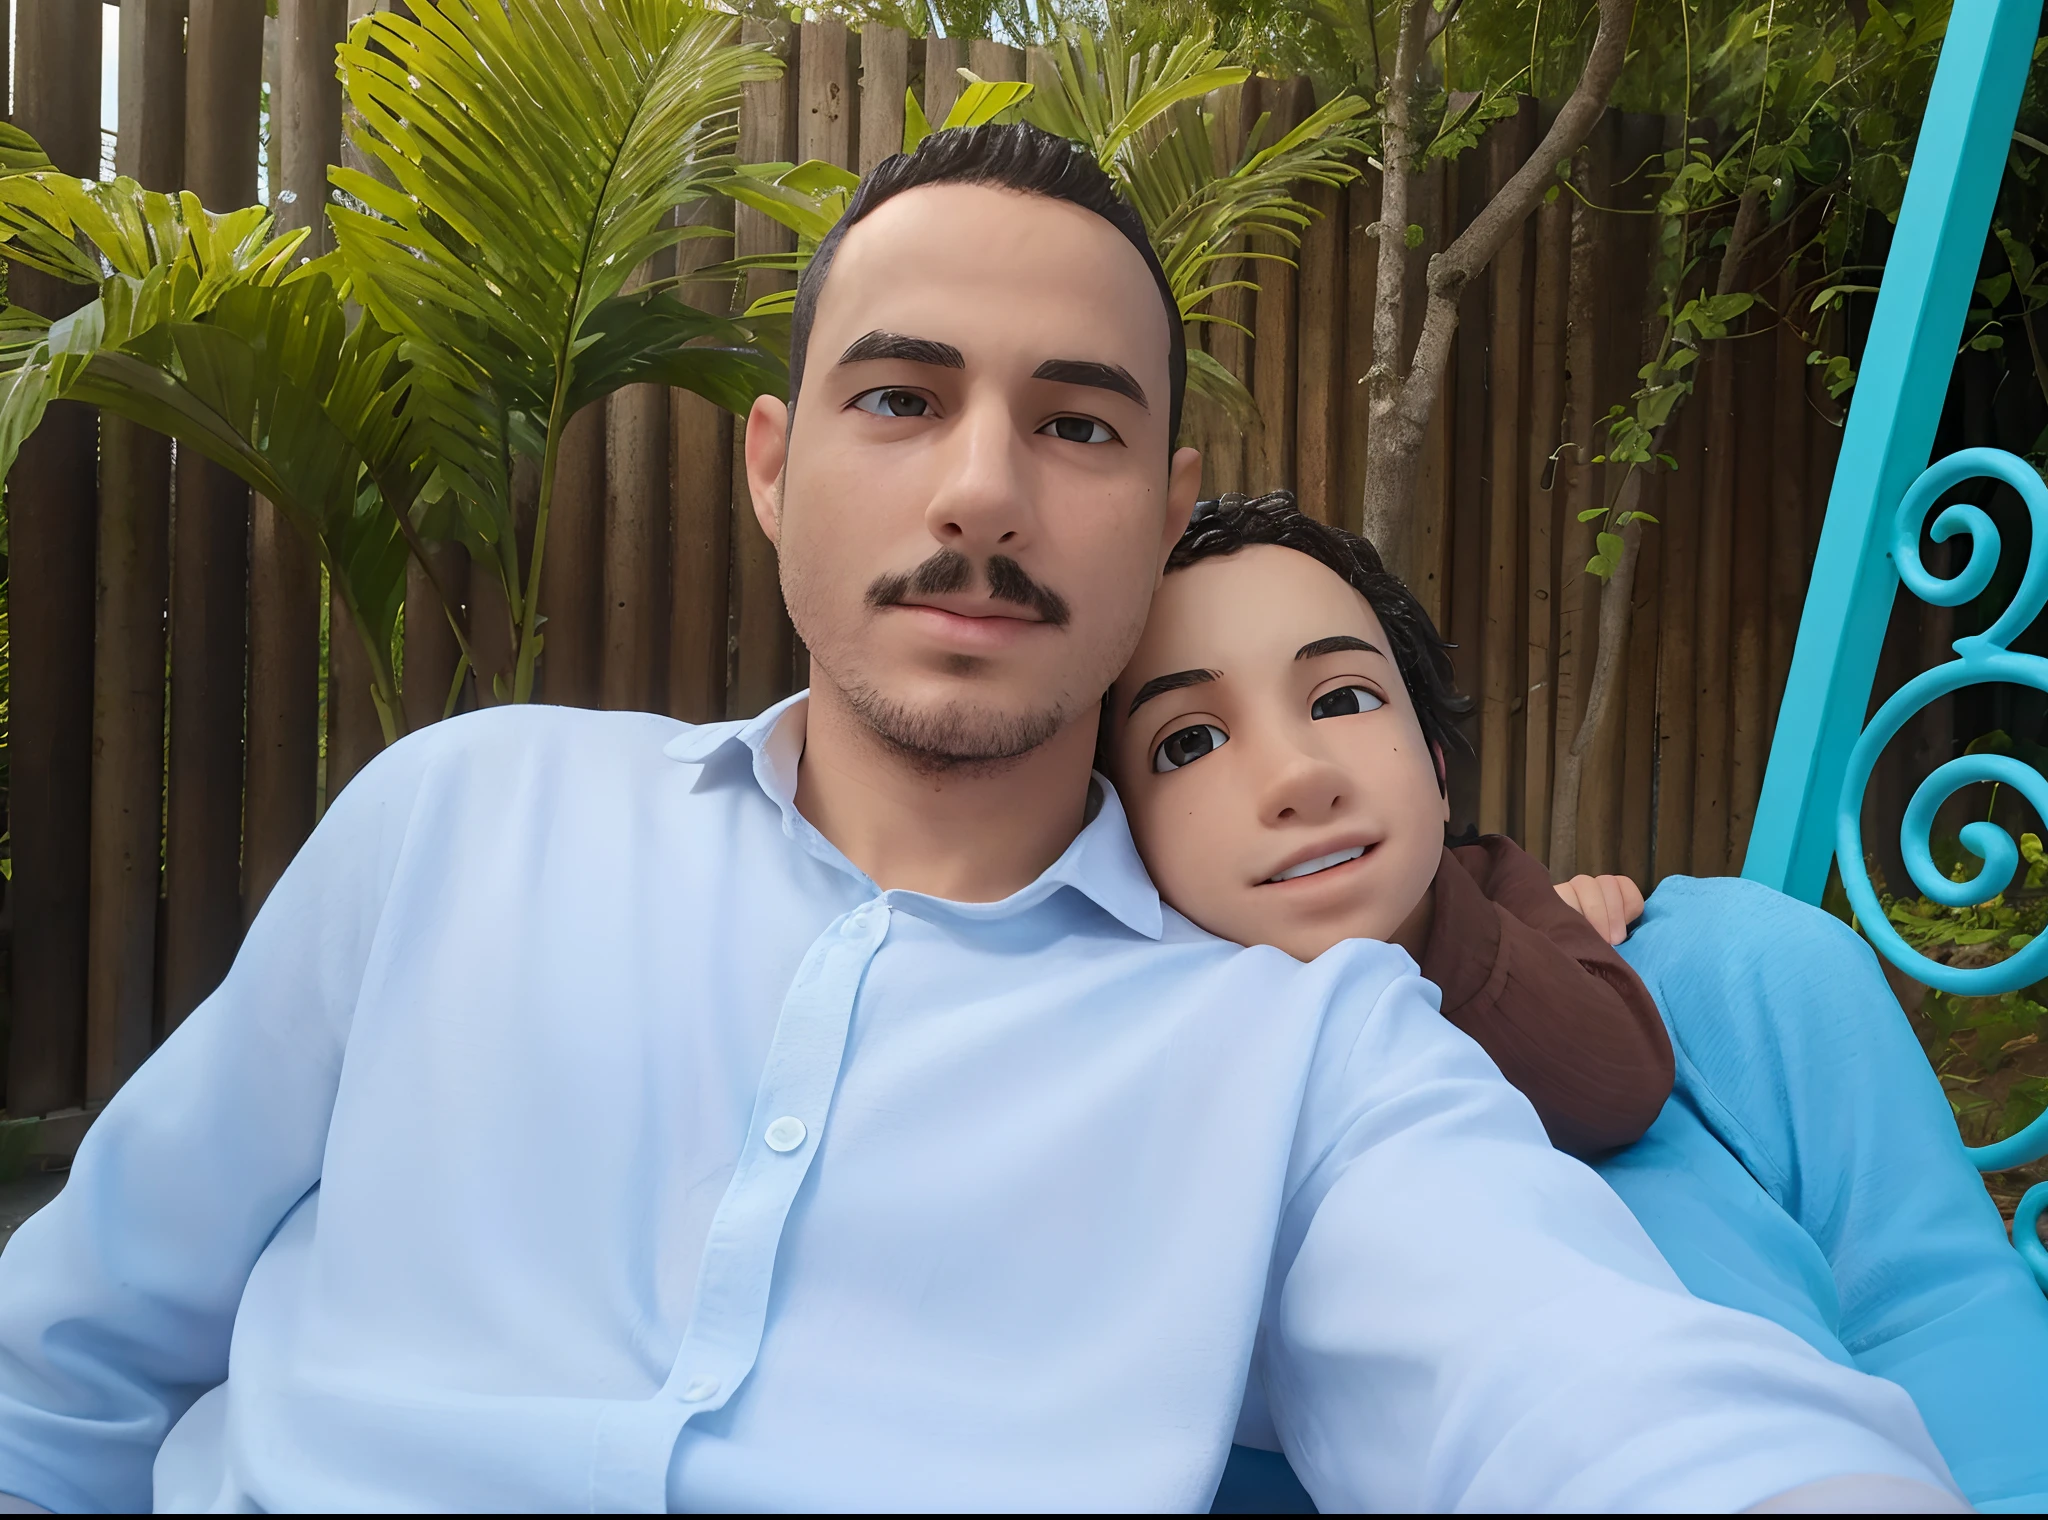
[1439, 20]
[1512, 203]
[1749, 216]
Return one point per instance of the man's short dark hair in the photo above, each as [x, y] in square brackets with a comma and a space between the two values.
[1230, 523]
[1022, 158]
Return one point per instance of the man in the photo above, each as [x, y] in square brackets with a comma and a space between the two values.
[822, 1111]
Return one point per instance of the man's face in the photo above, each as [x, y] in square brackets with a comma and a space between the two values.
[1270, 760]
[974, 503]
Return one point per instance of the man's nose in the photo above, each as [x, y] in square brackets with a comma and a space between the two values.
[983, 504]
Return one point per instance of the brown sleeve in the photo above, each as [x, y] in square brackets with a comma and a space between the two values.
[1561, 1013]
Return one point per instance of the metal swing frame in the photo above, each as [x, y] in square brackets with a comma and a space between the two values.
[1810, 811]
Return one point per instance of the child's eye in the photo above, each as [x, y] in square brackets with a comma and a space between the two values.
[1344, 701]
[892, 403]
[1187, 745]
[1079, 430]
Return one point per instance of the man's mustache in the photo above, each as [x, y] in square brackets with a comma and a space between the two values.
[948, 571]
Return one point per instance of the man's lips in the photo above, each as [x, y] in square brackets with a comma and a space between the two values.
[971, 621]
[1318, 862]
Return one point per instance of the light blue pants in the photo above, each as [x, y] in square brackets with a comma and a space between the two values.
[1807, 1169]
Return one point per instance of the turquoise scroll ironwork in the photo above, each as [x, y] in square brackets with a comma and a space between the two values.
[1980, 659]
[1822, 750]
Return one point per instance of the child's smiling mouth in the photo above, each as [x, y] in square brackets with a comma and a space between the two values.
[1317, 864]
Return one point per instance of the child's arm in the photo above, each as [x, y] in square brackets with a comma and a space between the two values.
[1545, 994]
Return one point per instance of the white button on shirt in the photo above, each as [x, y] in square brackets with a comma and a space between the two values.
[578, 1129]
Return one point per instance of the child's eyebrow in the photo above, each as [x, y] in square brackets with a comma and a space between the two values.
[1159, 686]
[1335, 645]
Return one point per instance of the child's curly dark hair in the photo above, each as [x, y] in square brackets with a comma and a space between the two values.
[1230, 523]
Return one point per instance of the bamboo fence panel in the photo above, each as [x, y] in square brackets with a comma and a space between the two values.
[53, 505]
[660, 589]
[764, 642]
[1545, 436]
[1504, 635]
[210, 558]
[1578, 480]
[134, 588]
[1269, 450]
[1677, 743]
[284, 573]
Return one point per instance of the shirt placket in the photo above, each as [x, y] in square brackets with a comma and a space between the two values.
[788, 1124]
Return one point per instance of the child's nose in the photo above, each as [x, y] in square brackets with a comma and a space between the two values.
[1305, 789]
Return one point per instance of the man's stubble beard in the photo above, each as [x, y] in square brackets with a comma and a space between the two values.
[957, 736]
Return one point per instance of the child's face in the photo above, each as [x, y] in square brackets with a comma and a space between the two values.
[1272, 731]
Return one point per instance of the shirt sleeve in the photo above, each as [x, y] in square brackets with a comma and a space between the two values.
[117, 1300]
[1461, 1317]
[1561, 1013]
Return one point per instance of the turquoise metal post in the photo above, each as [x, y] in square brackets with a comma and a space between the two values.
[1957, 165]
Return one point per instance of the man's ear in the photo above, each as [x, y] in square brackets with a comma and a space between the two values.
[767, 454]
[1183, 485]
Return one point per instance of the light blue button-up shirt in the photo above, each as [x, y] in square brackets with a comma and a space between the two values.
[578, 1129]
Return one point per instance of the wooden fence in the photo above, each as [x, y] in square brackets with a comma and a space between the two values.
[150, 816]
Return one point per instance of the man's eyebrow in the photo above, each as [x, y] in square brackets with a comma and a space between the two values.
[1108, 377]
[1159, 686]
[1335, 645]
[888, 345]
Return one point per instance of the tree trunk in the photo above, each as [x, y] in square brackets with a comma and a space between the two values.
[1616, 600]
[1404, 396]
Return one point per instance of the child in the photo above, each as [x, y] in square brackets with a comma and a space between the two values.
[1277, 742]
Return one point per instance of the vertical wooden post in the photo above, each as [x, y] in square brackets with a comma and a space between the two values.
[1710, 657]
[1579, 479]
[53, 507]
[1639, 719]
[944, 57]
[1788, 545]
[431, 653]
[150, 118]
[884, 78]
[1677, 747]
[284, 570]
[1501, 629]
[827, 113]
[1749, 678]
[134, 583]
[995, 60]
[1546, 433]
[492, 639]
[210, 558]
[1464, 409]
[572, 572]
[763, 639]
[700, 507]
[636, 547]
[354, 735]
[1319, 348]
[1223, 444]
[1269, 453]
[1361, 290]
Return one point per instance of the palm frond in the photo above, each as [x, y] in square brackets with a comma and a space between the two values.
[532, 154]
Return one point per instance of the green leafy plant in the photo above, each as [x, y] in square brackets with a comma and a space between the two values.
[1981, 1047]
[530, 157]
[1140, 109]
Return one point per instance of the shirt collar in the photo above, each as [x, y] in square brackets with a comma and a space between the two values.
[1101, 863]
